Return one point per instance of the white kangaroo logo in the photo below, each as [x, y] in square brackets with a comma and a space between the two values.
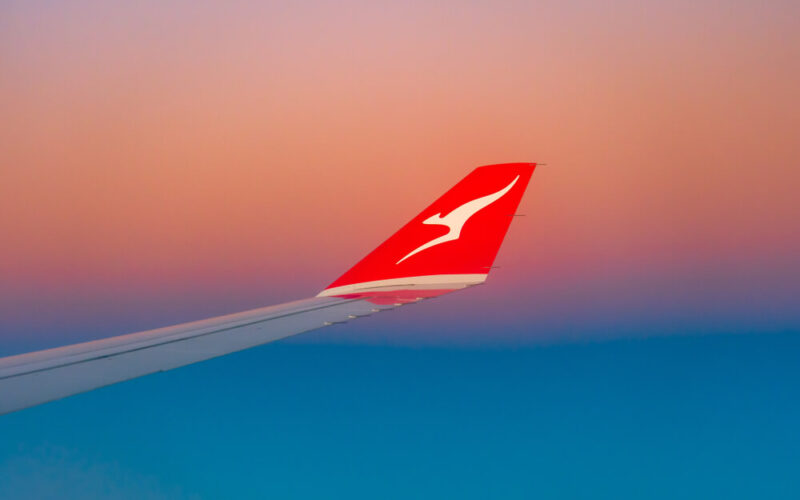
[456, 219]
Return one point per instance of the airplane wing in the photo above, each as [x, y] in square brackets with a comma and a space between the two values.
[449, 246]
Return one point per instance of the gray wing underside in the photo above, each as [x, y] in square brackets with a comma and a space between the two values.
[38, 377]
[372, 285]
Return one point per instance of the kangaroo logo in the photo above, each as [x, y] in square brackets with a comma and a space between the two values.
[456, 219]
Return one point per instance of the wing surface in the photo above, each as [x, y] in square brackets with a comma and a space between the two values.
[449, 246]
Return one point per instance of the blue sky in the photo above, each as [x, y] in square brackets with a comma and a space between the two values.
[671, 417]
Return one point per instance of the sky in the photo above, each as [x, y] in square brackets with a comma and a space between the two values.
[162, 163]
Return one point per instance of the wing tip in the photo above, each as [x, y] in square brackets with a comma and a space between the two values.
[451, 245]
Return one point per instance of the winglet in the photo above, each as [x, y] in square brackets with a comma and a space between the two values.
[449, 245]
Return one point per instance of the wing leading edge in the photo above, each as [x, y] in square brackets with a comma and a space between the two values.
[449, 246]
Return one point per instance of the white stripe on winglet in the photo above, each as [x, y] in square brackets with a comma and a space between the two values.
[433, 282]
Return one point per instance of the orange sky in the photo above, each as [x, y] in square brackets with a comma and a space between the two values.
[144, 145]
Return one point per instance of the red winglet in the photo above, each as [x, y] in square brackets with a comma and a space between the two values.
[449, 245]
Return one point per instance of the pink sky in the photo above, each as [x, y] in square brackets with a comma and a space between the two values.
[239, 153]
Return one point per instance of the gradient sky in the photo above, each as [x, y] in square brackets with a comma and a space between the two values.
[164, 163]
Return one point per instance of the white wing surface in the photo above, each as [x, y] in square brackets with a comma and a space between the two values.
[377, 283]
